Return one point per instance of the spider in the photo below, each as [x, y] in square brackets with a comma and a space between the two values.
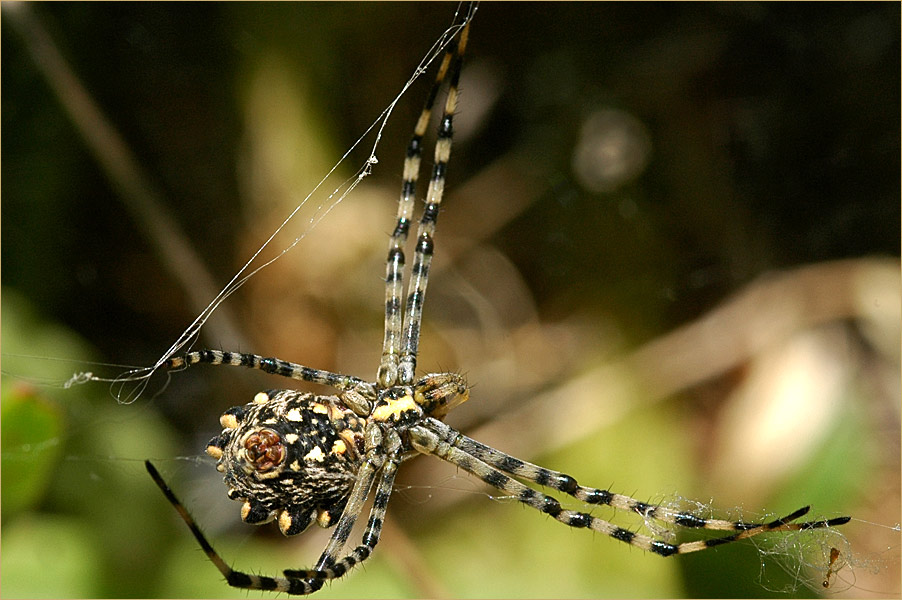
[297, 458]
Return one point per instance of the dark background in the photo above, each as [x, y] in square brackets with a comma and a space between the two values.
[771, 137]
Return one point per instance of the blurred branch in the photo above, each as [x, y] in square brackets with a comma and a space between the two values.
[766, 312]
[135, 189]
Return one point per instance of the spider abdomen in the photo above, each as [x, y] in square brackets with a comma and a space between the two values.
[289, 456]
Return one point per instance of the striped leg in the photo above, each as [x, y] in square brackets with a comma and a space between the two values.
[413, 314]
[370, 535]
[233, 577]
[394, 266]
[274, 366]
[568, 485]
[382, 453]
[307, 581]
[453, 450]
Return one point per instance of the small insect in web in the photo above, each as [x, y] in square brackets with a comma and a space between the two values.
[831, 568]
[297, 458]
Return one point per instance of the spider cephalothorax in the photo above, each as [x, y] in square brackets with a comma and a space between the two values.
[297, 457]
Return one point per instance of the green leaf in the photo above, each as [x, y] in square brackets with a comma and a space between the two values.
[30, 437]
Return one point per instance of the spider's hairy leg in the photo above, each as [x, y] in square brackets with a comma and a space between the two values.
[424, 246]
[233, 577]
[271, 365]
[307, 581]
[370, 535]
[568, 485]
[444, 445]
[394, 266]
[375, 459]
[383, 453]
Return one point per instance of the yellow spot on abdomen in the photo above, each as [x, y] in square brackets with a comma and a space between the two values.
[315, 454]
[338, 447]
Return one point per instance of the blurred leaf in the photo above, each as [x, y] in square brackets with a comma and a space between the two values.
[31, 426]
[46, 557]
